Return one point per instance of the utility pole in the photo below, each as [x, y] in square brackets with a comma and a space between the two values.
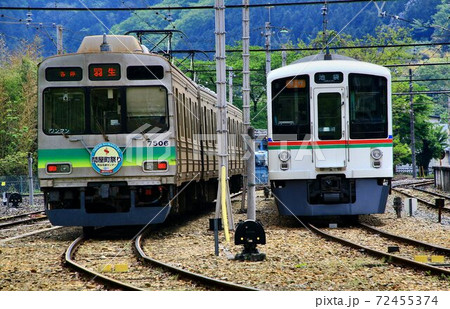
[250, 232]
[411, 125]
[245, 88]
[223, 201]
[284, 33]
[59, 39]
[268, 34]
[250, 162]
[324, 24]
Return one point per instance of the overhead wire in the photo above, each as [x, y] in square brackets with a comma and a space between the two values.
[197, 7]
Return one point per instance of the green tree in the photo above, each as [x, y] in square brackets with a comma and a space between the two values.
[441, 23]
[18, 102]
[432, 145]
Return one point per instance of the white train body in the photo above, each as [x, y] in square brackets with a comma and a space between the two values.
[330, 137]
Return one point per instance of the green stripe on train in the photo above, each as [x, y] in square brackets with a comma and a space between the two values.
[80, 157]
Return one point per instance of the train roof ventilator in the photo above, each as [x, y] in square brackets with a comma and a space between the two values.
[250, 233]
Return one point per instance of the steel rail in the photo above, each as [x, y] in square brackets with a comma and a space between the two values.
[418, 183]
[432, 193]
[18, 222]
[29, 234]
[21, 215]
[187, 274]
[410, 241]
[445, 209]
[69, 259]
[389, 258]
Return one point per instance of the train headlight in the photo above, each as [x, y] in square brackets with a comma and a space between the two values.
[284, 156]
[376, 154]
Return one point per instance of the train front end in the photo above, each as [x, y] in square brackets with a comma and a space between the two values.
[330, 131]
[106, 145]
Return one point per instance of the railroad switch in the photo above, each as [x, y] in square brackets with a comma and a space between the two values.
[250, 233]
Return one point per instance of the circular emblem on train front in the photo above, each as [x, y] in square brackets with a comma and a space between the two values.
[106, 158]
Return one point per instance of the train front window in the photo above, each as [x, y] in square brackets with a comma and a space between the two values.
[368, 106]
[147, 109]
[105, 110]
[290, 108]
[64, 110]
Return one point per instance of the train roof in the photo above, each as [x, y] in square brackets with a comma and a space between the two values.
[320, 57]
[337, 63]
[117, 44]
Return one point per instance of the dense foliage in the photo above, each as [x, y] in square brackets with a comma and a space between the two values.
[416, 20]
[18, 107]
[302, 21]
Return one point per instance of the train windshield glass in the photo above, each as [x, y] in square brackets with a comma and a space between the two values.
[329, 116]
[105, 110]
[290, 108]
[64, 110]
[368, 106]
[147, 109]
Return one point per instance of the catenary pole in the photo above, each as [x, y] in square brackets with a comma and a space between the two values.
[250, 154]
[268, 34]
[221, 114]
[411, 126]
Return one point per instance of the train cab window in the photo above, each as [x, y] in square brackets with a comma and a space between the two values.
[368, 106]
[329, 116]
[291, 108]
[105, 110]
[147, 106]
[64, 110]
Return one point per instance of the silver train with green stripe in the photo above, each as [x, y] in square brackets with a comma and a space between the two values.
[125, 138]
[330, 136]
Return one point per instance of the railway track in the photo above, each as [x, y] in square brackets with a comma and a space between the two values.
[151, 274]
[372, 244]
[417, 183]
[428, 199]
[22, 219]
[14, 227]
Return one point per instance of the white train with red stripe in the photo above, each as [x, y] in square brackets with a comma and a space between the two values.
[330, 136]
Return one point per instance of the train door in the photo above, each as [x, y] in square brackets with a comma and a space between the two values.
[330, 133]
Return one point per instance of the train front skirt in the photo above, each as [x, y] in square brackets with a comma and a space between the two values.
[135, 216]
[293, 199]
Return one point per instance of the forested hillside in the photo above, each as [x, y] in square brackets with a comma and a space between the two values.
[303, 22]
[404, 22]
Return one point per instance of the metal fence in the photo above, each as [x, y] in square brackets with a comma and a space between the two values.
[19, 184]
[405, 169]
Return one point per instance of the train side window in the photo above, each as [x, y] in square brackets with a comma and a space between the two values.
[187, 114]
[197, 120]
[204, 128]
[147, 109]
[180, 115]
[291, 108]
[368, 106]
[64, 111]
